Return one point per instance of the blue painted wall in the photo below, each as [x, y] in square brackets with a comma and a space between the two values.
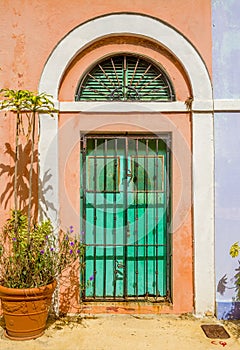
[226, 48]
[226, 85]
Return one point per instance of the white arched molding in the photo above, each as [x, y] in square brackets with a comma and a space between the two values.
[202, 128]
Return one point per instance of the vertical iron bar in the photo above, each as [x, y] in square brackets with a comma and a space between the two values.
[147, 210]
[167, 187]
[105, 219]
[136, 219]
[95, 217]
[125, 293]
[156, 173]
[115, 218]
[84, 207]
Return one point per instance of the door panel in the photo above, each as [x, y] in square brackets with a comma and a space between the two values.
[124, 206]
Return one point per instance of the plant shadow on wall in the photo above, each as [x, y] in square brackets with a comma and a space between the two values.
[234, 313]
[32, 254]
[22, 180]
[40, 187]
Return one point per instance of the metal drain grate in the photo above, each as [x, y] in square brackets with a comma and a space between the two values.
[215, 331]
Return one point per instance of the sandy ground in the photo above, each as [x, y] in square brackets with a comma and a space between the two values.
[135, 332]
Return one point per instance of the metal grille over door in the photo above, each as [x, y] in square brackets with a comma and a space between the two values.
[124, 217]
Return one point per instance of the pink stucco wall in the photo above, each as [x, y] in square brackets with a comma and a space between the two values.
[30, 29]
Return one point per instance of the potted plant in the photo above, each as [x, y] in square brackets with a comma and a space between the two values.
[32, 256]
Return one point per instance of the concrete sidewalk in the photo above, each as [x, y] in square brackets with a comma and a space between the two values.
[134, 332]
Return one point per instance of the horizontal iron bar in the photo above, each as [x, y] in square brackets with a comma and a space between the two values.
[133, 191]
[154, 299]
[124, 245]
[149, 206]
[131, 136]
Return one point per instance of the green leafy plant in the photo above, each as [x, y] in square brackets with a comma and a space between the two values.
[35, 258]
[234, 252]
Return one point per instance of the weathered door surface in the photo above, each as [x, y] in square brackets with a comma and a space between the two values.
[124, 216]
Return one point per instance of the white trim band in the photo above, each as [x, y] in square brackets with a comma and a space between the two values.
[197, 106]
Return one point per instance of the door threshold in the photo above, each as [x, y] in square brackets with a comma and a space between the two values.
[136, 307]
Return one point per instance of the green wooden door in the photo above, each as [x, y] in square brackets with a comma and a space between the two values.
[124, 212]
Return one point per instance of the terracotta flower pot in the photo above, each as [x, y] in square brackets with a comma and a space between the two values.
[26, 310]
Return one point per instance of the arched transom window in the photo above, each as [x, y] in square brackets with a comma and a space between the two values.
[125, 78]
